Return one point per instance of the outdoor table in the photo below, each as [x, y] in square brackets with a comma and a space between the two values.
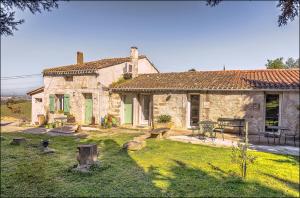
[226, 121]
[60, 120]
[240, 127]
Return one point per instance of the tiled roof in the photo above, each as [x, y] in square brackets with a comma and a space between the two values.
[88, 67]
[35, 91]
[214, 80]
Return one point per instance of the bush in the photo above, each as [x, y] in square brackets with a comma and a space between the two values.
[109, 121]
[164, 118]
[70, 118]
[119, 81]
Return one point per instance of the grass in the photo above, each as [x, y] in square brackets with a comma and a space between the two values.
[163, 168]
[25, 113]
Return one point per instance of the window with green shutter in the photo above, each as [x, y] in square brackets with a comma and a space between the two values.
[66, 103]
[51, 103]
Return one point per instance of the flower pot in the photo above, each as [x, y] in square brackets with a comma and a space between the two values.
[163, 125]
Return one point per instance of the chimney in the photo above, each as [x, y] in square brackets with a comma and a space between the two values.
[134, 55]
[79, 58]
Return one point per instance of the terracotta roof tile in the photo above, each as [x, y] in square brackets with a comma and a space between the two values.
[88, 66]
[35, 91]
[214, 80]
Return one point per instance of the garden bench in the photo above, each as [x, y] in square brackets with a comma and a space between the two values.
[158, 133]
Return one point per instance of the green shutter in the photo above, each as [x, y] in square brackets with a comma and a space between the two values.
[66, 103]
[51, 101]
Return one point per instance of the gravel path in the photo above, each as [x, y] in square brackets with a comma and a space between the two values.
[278, 149]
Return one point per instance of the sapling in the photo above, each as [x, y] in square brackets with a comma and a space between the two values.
[240, 154]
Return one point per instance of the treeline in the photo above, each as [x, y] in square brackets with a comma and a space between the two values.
[279, 63]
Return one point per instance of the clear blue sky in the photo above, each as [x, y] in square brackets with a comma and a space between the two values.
[176, 36]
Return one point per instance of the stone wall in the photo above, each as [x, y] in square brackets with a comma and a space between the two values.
[228, 104]
[76, 88]
[114, 105]
[234, 104]
[290, 111]
[174, 105]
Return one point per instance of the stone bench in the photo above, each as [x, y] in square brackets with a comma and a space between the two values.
[159, 133]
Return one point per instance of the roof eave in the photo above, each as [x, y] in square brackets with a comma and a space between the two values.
[190, 89]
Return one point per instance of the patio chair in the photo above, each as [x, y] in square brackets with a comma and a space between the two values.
[270, 132]
[292, 135]
[207, 126]
[220, 127]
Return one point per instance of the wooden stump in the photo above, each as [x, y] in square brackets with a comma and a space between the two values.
[18, 141]
[87, 155]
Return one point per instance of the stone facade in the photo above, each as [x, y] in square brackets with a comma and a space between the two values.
[115, 106]
[174, 105]
[77, 86]
[234, 104]
[290, 111]
[228, 104]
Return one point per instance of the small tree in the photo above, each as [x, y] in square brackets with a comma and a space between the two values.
[240, 155]
[276, 64]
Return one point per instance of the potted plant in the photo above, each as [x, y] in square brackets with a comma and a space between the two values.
[163, 121]
[109, 121]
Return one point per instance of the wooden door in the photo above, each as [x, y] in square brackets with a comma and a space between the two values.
[128, 109]
[88, 109]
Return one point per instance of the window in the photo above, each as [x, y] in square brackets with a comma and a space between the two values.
[38, 100]
[129, 68]
[60, 102]
[194, 114]
[69, 78]
[272, 110]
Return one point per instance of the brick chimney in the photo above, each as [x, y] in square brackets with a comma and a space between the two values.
[79, 58]
[134, 55]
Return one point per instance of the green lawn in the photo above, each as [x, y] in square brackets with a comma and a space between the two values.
[163, 168]
[25, 113]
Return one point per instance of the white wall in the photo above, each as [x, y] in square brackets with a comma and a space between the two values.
[113, 73]
[37, 107]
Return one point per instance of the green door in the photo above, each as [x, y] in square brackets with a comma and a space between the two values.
[128, 110]
[88, 109]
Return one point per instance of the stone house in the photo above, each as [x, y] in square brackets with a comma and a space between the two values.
[82, 89]
[86, 90]
[261, 97]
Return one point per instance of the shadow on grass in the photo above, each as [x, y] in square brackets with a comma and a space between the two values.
[291, 160]
[120, 176]
[291, 184]
[188, 181]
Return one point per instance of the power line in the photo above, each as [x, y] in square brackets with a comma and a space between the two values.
[21, 76]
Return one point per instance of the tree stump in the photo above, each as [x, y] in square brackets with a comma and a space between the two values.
[87, 155]
[18, 141]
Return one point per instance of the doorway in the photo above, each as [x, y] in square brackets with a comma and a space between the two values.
[128, 107]
[272, 115]
[88, 115]
[194, 110]
[145, 107]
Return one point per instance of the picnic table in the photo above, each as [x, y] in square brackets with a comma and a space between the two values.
[238, 123]
[60, 120]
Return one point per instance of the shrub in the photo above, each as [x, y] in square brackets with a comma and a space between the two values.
[60, 111]
[70, 118]
[109, 121]
[119, 81]
[164, 118]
